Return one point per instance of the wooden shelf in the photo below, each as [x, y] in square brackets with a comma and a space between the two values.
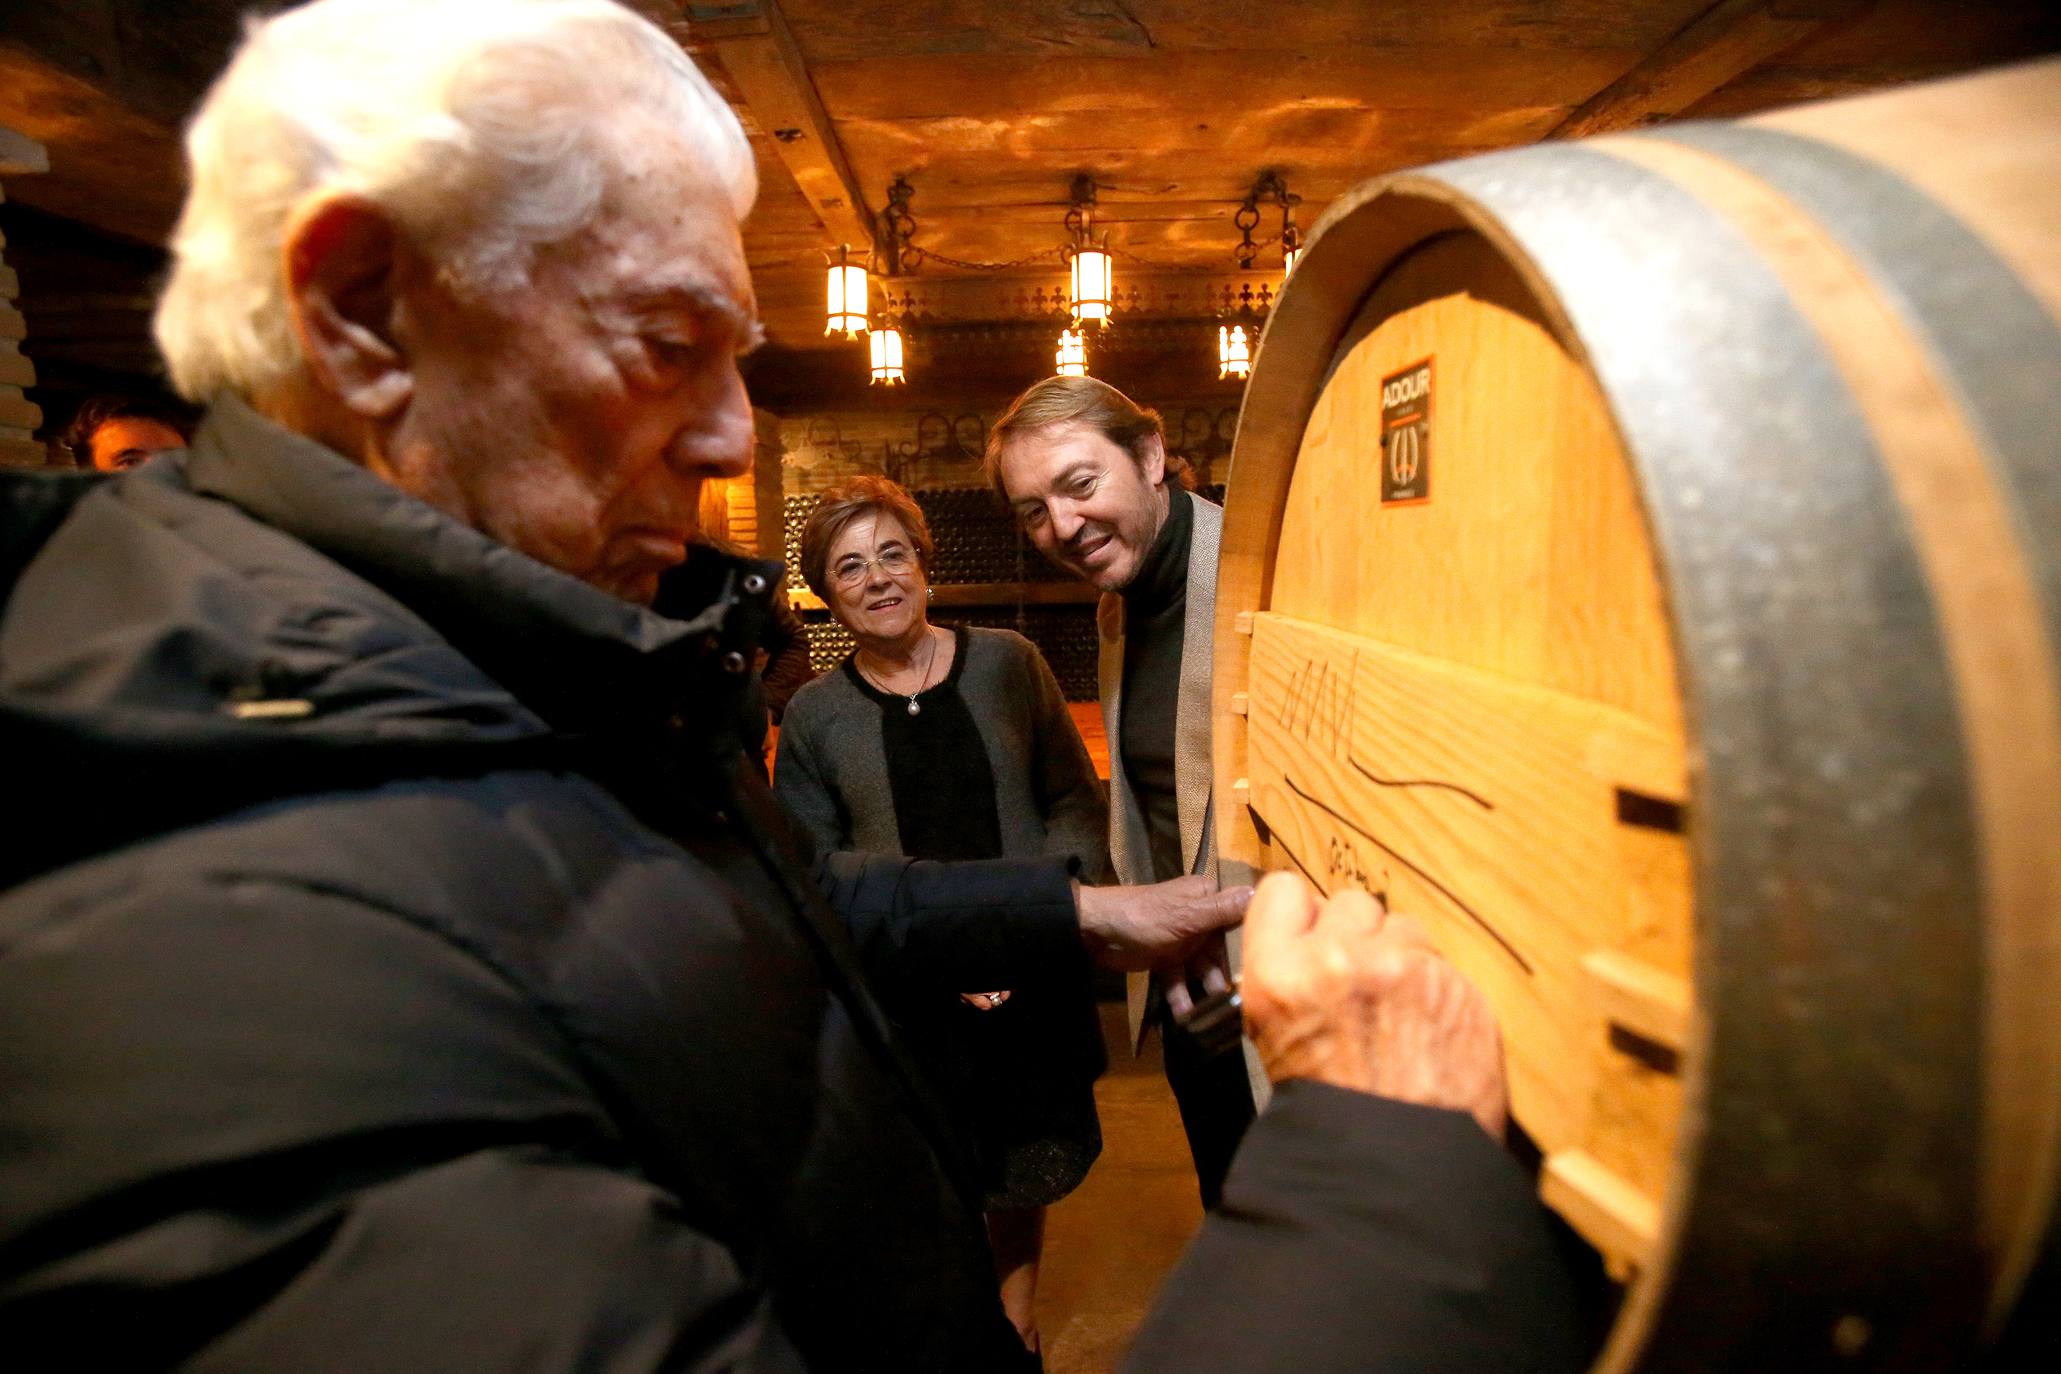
[985, 594]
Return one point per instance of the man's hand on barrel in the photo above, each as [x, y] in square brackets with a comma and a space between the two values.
[1344, 993]
[1153, 925]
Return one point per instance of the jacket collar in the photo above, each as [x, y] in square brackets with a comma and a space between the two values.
[580, 658]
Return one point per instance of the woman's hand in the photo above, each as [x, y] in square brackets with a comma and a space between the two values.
[986, 1001]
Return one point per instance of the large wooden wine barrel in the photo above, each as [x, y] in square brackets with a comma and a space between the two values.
[1642, 561]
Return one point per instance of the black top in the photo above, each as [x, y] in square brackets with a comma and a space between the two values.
[1022, 1075]
[942, 812]
[1155, 612]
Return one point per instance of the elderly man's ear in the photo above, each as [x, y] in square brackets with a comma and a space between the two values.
[343, 268]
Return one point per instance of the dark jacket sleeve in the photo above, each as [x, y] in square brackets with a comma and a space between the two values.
[951, 926]
[1367, 1235]
[925, 927]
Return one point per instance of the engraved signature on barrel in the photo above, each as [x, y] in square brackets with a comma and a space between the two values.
[1319, 709]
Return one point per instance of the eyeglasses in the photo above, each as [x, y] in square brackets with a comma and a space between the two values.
[852, 571]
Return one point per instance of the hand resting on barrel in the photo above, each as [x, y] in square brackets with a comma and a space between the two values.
[1147, 926]
[1344, 993]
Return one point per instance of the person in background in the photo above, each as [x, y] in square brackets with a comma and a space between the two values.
[786, 669]
[114, 433]
[956, 744]
[1084, 470]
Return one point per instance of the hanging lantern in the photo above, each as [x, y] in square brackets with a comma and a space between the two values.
[1234, 351]
[1092, 284]
[886, 347]
[847, 297]
[1072, 357]
[1092, 287]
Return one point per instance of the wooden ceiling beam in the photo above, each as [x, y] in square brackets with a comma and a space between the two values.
[752, 41]
[109, 167]
[1726, 40]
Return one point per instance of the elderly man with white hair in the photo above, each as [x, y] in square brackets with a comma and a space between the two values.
[443, 995]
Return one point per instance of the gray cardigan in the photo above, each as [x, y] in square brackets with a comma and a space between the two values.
[831, 769]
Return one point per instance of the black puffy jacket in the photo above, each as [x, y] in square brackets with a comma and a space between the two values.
[399, 974]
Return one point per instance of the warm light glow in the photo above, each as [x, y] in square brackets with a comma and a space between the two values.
[1092, 285]
[1290, 257]
[1072, 357]
[1234, 351]
[847, 315]
[887, 356]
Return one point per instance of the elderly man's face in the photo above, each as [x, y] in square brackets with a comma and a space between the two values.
[576, 419]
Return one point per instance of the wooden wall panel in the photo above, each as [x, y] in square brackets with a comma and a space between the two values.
[19, 416]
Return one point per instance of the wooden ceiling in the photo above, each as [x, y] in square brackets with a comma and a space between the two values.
[1175, 107]
[990, 109]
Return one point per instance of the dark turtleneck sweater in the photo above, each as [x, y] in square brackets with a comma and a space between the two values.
[1155, 612]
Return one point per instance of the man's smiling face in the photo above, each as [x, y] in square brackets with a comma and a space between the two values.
[1086, 502]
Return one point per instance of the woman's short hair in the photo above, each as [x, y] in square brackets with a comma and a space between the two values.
[847, 502]
[1084, 401]
[500, 126]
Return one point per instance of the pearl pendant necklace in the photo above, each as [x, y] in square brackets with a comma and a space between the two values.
[922, 686]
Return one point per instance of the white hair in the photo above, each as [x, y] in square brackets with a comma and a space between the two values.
[485, 128]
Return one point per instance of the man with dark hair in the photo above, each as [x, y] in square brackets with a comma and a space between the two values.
[115, 433]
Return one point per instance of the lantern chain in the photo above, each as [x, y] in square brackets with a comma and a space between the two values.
[913, 256]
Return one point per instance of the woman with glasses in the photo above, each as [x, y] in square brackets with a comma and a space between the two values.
[943, 743]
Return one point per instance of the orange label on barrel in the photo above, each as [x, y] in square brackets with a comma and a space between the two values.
[1406, 435]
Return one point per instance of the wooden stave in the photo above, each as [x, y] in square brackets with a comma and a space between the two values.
[1934, 1309]
[1930, 135]
[1995, 347]
[1993, 350]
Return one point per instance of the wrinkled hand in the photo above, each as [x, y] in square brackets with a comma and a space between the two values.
[1346, 994]
[985, 1001]
[1142, 927]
